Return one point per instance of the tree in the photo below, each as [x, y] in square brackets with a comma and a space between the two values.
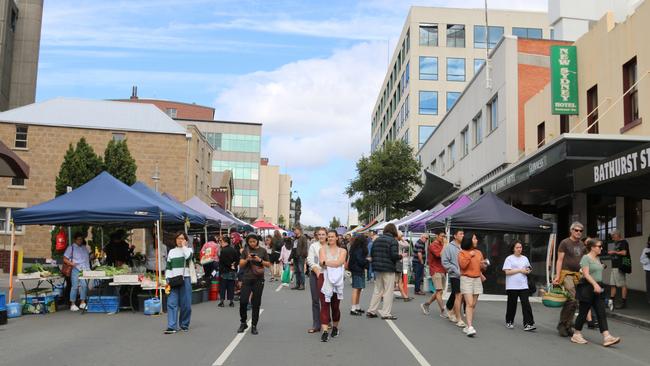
[80, 165]
[281, 220]
[386, 179]
[335, 223]
[119, 162]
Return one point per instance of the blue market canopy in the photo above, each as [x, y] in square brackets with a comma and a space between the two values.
[173, 211]
[231, 216]
[196, 204]
[102, 200]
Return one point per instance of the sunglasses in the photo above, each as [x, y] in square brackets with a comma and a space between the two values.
[598, 246]
[577, 230]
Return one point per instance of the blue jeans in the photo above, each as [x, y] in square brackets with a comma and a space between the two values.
[77, 285]
[418, 272]
[299, 270]
[180, 296]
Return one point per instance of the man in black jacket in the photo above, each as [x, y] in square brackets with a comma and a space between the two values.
[301, 247]
[384, 255]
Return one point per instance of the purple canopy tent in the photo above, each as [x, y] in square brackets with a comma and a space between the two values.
[420, 224]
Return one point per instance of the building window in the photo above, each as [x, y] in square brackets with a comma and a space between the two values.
[477, 129]
[240, 169]
[245, 198]
[18, 182]
[493, 114]
[452, 97]
[452, 154]
[234, 142]
[541, 134]
[478, 63]
[456, 35]
[428, 68]
[564, 123]
[633, 218]
[631, 99]
[441, 159]
[119, 136]
[592, 109]
[14, 20]
[532, 33]
[552, 33]
[428, 102]
[423, 134]
[429, 35]
[455, 69]
[601, 216]
[171, 112]
[5, 218]
[21, 137]
[434, 167]
[464, 140]
[494, 35]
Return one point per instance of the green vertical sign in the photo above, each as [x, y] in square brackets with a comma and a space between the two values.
[564, 80]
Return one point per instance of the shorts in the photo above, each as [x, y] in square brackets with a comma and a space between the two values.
[617, 278]
[358, 281]
[274, 257]
[471, 285]
[454, 284]
[439, 280]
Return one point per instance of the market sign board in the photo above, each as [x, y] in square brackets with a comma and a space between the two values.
[631, 163]
[564, 80]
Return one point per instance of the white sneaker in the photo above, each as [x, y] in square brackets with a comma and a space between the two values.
[82, 306]
[465, 330]
[451, 317]
[610, 305]
[510, 326]
[470, 332]
[425, 308]
[461, 324]
[443, 314]
[74, 308]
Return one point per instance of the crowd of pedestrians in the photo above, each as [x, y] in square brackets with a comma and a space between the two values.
[458, 266]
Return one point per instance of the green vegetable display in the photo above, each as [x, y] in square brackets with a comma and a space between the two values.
[112, 271]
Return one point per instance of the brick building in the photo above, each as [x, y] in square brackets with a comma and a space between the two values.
[40, 134]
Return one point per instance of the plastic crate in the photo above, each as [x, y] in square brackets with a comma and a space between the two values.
[103, 304]
[38, 304]
[152, 306]
[14, 310]
[3, 301]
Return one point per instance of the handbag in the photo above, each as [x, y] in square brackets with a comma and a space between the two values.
[66, 270]
[177, 281]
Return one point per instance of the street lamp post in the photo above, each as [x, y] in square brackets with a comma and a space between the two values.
[156, 177]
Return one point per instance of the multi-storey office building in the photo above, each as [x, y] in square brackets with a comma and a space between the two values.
[438, 52]
[275, 194]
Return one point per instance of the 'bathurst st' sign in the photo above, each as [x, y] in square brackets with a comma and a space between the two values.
[631, 163]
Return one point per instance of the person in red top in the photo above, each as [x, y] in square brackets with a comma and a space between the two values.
[472, 265]
[437, 272]
[210, 259]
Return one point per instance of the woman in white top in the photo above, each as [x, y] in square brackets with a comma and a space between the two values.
[332, 258]
[400, 268]
[517, 268]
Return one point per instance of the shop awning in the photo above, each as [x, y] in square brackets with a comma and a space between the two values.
[11, 165]
[172, 211]
[548, 173]
[435, 189]
[625, 174]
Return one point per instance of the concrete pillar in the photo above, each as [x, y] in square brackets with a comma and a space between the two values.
[27, 42]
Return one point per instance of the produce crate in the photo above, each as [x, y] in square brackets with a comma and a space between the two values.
[103, 304]
[3, 301]
[125, 278]
[38, 304]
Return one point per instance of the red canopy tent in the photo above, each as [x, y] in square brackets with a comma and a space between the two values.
[261, 224]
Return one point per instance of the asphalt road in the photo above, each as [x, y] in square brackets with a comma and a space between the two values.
[126, 338]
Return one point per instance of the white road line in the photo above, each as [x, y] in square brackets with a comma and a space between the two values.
[231, 347]
[414, 351]
[279, 287]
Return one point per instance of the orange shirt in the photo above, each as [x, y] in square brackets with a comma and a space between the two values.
[470, 266]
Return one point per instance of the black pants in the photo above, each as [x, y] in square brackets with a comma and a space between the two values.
[255, 287]
[511, 310]
[454, 284]
[596, 301]
[226, 287]
[207, 270]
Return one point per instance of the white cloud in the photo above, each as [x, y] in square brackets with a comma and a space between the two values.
[313, 110]
[311, 217]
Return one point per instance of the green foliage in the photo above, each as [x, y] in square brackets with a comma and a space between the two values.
[335, 223]
[385, 179]
[80, 165]
[119, 162]
[281, 220]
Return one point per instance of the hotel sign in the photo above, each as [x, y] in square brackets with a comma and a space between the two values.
[564, 80]
[631, 163]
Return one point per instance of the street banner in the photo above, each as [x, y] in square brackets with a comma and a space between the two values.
[564, 80]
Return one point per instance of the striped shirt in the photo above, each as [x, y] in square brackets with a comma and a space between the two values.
[178, 261]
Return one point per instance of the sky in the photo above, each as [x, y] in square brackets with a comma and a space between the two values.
[309, 71]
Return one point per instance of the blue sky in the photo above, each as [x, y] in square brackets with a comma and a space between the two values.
[308, 70]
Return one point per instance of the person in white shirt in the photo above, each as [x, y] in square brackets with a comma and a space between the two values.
[313, 263]
[517, 268]
[645, 261]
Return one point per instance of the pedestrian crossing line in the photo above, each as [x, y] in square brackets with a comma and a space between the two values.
[233, 344]
[414, 351]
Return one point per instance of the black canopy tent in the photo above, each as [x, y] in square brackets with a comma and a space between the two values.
[490, 213]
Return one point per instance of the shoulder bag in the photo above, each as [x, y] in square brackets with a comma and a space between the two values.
[66, 270]
[177, 281]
